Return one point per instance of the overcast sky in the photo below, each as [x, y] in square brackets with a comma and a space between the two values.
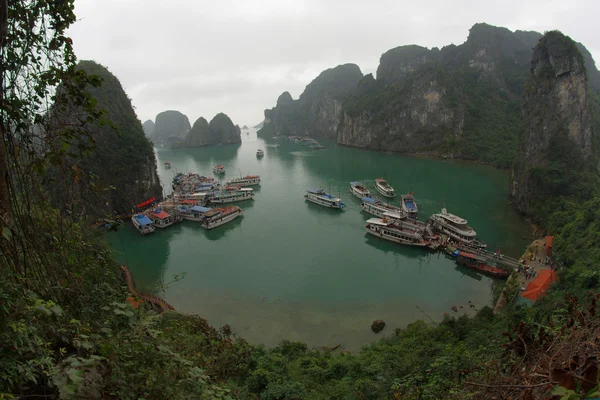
[202, 57]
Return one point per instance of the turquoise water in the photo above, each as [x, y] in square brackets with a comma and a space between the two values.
[293, 270]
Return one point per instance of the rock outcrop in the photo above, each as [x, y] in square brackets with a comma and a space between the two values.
[122, 165]
[148, 127]
[220, 130]
[171, 126]
[377, 325]
[459, 101]
[557, 141]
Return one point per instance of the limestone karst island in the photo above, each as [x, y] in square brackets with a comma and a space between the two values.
[323, 202]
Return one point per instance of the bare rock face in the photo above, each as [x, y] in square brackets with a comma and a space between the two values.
[377, 325]
[558, 125]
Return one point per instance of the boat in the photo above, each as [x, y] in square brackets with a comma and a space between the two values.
[220, 216]
[219, 169]
[455, 227]
[194, 213]
[395, 231]
[359, 190]
[409, 205]
[142, 223]
[379, 208]
[323, 199]
[260, 153]
[167, 165]
[231, 195]
[162, 219]
[480, 264]
[248, 180]
[384, 188]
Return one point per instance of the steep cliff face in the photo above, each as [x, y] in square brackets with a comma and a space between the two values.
[220, 130]
[123, 163]
[460, 101]
[170, 125]
[148, 127]
[317, 112]
[557, 144]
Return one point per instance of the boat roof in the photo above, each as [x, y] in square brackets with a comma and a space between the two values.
[378, 221]
[392, 214]
[200, 209]
[246, 189]
[452, 218]
[160, 214]
[315, 191]
[381, 180]
[355, 183]
[142, 219]
[369, 200]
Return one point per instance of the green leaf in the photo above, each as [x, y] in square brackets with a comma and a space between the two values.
[6, 233]
[559, 391]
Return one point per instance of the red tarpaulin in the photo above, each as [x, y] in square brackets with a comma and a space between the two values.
[540, 285]
[147, 202]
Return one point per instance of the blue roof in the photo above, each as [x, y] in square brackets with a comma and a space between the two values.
[368, 200]
[410, 205]
[200, 209]
[355, 183]
[142, 219]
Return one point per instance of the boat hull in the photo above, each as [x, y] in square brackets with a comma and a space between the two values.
[378, 211]
[380, 234]
[359, 193]
[486, 269]
[232, 199]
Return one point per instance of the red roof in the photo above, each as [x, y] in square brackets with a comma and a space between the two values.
[188, 201]
[540, 285]
[161, 214]
[468, 255]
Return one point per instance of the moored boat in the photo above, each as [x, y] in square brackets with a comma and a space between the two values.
[220, 216]
[194, 213]
[260, 153]
[167, 165]
[395, 231]
[455, 227]
[142, 224]
[480, 264]
[248, 180]
[357, 189]
[162, 219]
[219, 169]
[409, 205]
[384, 188]
[230, 196]
[323, 199]
[379, 208]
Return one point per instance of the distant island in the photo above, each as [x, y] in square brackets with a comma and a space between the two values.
[245, 127]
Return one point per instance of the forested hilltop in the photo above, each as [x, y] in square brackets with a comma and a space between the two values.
[67, 331]
[459, 101]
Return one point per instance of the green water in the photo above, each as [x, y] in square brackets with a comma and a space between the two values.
[293, 270]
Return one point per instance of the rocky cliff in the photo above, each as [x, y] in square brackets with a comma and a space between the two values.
[318, 110]
[556, 148]
[170, 125]
[459, 101]
[220, 130]
[122, 166]
[148, 127]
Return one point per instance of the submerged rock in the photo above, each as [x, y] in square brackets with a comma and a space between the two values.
[378, 325]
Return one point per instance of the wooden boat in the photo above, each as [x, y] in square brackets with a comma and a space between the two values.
[409, 205]
[379, 208]
[395, 231]
[194, 213]
[323, 199]
[384, 188]
[167, 165]
[248, 180]
[455, 227]
[480, 264]
[359, 190]
[260, 153]
[220, 216]
[231, 195]
[142, 224]
[219, 169]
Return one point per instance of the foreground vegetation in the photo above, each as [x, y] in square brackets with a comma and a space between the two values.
[66, 330]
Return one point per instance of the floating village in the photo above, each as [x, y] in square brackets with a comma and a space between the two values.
[207, 201]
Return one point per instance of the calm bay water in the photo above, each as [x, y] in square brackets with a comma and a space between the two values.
[294, 270]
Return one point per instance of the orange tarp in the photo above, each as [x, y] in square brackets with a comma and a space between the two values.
[538, 287]
[549, 243]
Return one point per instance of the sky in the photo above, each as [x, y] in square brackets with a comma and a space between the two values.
[202, 57]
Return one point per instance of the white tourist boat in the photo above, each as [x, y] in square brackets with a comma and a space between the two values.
[395, 231]
[231, 195]
[219, 169]
[384, 188]
[409, 205]
[142, 224]
[260, 153]
[357, 189]
[248, 180]
[220, 216]
[379, 208]
[194, 213]
[323, 199]
[163, 219]
[455, 227]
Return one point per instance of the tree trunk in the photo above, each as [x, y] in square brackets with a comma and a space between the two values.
[5, 209]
